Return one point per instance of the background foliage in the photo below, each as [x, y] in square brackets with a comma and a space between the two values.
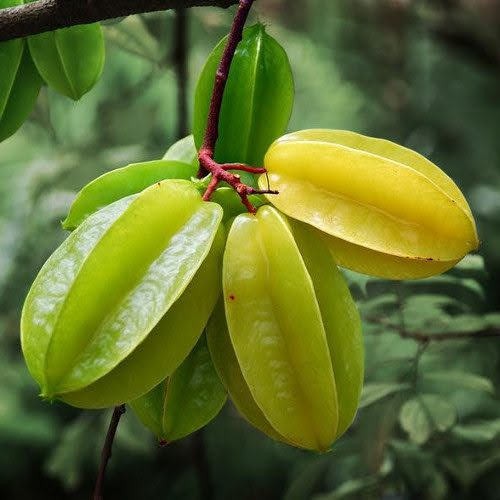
[423, 73]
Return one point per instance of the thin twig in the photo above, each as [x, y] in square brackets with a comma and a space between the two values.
[106, 450]
[32, 18]
[202, 465]
[489, 332]
[221, 76]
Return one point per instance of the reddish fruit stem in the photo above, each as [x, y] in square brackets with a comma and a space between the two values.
[206, 154]
[219, 174]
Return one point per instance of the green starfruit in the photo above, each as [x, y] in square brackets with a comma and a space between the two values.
[261, 82]
[184, 151]
[70, 60]
[383, 209]
[19, 82]
[184, 402]
[99, 323]
[122, 182]
[294, 329]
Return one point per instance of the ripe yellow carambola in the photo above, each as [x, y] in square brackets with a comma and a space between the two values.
[291, 355]
[384, 209]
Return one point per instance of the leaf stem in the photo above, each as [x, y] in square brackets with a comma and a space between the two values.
[206, 154]
[106, 450]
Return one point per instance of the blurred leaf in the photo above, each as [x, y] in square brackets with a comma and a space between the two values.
[131, 35]
[372, 392]
[360, 487]
[306, 482]
[478, 432]
[420, 416]
[450, 379]
[73, 451]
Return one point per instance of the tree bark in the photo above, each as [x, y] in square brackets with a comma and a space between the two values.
[49, 15]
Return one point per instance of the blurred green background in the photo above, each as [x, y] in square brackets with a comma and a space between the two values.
[423, 73]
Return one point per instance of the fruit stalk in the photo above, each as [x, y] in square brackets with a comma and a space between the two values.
[206, 154]
[107, 449]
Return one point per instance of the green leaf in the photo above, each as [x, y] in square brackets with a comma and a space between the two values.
[373, 392]
[257, 101]
[122, 182]
[424, 414]
[69, 59]
[460, 379]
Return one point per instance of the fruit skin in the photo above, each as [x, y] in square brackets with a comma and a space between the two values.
[184, 151]
[70, 60]
[122, 182]
[384, 209]
[340, 320]
[276, 329]
[257, 102]
[164, 349]
[19, 83]
[227, 366]
[84, 315]
[186, 401]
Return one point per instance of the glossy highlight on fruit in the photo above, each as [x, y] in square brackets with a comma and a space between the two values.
[184, 402]
[384, 209]
[257, 102]
[117, 290]
[70, 60]
[294, 330]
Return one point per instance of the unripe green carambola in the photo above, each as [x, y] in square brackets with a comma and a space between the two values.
[186, 401]
[122, 182]
[261, 83]
[19, 82]
[99, 325]
[70, 60]
[383, 209]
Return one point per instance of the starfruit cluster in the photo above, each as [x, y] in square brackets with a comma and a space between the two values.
[171, 303]
[69, 60]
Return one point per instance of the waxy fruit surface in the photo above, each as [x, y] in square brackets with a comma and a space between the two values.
[384, 209]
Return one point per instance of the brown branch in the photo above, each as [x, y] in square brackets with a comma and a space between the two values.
[440, 337]
[49, 15]
[206, 154]
[106, 450]
[422, 337]
[221, 76]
